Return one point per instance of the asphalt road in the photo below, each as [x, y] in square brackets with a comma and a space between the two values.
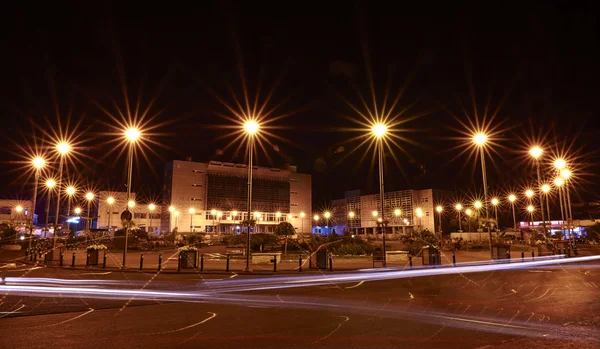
[554, 306]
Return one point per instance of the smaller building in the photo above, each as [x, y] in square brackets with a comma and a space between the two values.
[16, 211]
[112, 204]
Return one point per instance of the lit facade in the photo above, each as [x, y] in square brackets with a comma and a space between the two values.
[404, 210]
[212, 197]
[9, 213]
[109, 215]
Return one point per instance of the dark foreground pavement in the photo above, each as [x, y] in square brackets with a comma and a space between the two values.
[555, 307]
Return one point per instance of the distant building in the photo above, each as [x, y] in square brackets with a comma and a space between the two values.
[11, 215]
[109, 215]
[217, 193]
[404, 210]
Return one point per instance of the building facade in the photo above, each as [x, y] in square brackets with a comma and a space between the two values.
[212, 197]
[405, 211]
[145, 217]
[16, 211]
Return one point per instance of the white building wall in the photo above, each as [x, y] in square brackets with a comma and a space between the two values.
[423, 199]
[109, 216]
[189, 186]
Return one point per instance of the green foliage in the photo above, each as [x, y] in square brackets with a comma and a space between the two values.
[420, 239]
[285, 229]
[194, 239]
[255, 240]
[130, 224]
[352, 247]
[7, 232]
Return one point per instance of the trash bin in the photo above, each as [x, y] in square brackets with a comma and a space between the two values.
[322, 259]
[431, 255]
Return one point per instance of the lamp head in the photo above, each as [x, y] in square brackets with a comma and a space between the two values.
[351, 214]
[458, 207]
[277, 214]
[439, 209]
[19, 208]
[560, 164]
[38, 162]
[512, 197]
[50, 183]
[546, 188]
[536, 152]
[110, 200]
[374, 213]
[379, 130]
[397, 212]
[302, 214]
[316, 217]
[251, 127]
[234, 213]
[558, 181]
[480, 139]
[70, 190]
[131, 204]
[530, 208]
[495, 201]
[77, 210]
[63, 148]
[327, 215]
[89, 196]
[192, 210]
[529, 193]
[152, 207]
[477, 204]
[171, 209]
[565, 173]
[132, 134]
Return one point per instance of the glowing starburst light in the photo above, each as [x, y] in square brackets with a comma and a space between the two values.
[530, 209]
[251, 127]
[536, 152]
[495, 201]
[351, 214]
[559, 181]
[560, 164]
[529, 193]
[71, 190]
[397, 212]
[458, 207]
[545, 188]
[132, 134]
[63, 148]
[152, 207]
[480, 139]
[379, 130]
[38, 162]
[110, 200]
[512, 197]
[477, 204]
[565, 173]
[439, 209]
[89, 196]
[50, 183]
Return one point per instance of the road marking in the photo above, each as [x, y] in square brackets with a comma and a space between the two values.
[358, 284]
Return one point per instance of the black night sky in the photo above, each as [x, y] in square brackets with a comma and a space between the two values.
[536, 65]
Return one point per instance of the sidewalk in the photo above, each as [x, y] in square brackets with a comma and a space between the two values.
[217, 262]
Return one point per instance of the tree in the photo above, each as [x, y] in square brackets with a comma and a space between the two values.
[285, 229]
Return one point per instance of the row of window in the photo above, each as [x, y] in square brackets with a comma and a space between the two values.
[201, 171]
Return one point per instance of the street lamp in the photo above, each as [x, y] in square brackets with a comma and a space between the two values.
[512, 198]
[459, 208]
[251, 127]
[530, 209]
[566, 174]
[19, 210]
[419, 213]
[327, 215]
[191, 211]
[38, 163]
[151, 208]
[132, 135]
[50, 184]
[468, 212]
[397, 214]
[439, 210]
[171, 210]
[379, 130]
[63, 148]
[89, 196]
[536, 152]
[559, 182]
[109, 201]
[77, 210]
[495, 203]
[529, 193]
[480, 140]
[71, 190]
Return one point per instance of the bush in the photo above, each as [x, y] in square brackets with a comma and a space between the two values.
[256, 240]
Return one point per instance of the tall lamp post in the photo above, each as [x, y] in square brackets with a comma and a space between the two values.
[439, 210]
[110, 201]
[380, 130]
[566, 175]
[132, 135]
[397, 214]
[458, 208]
[171, 210]
[512, 198]
[477, 204]
[536, 152]
[63, 149]
[89, 196]
[531, 209]
[151, 208]
[250, 128]
[50, 184]
[560, 164]
[191, 211]
[469, 212]
[559, 182]
[546, 190]
[38, 163]
[327, 216]
[71, 190]
[480, 140]
[495, 203]
[19, 210]
[176, 214]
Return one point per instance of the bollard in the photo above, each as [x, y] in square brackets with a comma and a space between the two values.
[575, 250]
[454, 258]
[202, 262]
[104, 261]
[309, 261]
[87, 261]
[299, 263]
[179, 262]
[159, 261]
[330, 262]
[274, 263]
[569, 253]
[532, 255]
[410, 261]
[142, 261]
[60, 261]
[565, 251]
[73, 260]
[522, 256]
[35, 257]
[227, 264]
[508, 255]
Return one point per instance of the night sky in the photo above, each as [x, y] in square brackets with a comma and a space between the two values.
[535, 67]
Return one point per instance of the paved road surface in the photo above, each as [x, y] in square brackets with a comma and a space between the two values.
[556, 307]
